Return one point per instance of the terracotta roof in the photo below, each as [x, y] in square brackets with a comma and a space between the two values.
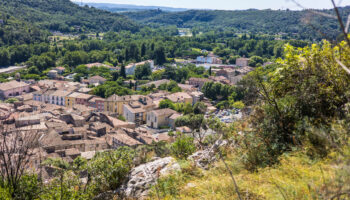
[94, 99]
[135, 110]
[72, 152]
[197, 93]
[97, 65]
[175, 116]
[200, 79]
[97, 78]
[162, 137]
[61, 68]
[184, 129]
[186, 86]
[122, 137]
[165, 111]
[156, 83]
[12, 85]
[80, 95]
[179, 96]
[137, 64]
[84, 90]
[124, 98]
[60, 93]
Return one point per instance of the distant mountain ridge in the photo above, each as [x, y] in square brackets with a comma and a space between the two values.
[252, 20]
[128, 7]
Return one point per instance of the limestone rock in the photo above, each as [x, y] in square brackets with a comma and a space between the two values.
[203, 158]
[144, 176]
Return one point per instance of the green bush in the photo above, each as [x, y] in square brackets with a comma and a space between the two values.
[183, 146]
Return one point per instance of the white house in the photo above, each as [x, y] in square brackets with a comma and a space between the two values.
[130, 69]
[58, 97]
[159, 118]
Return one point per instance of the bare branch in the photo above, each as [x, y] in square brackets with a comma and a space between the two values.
[341, 22]
[347, 25]
[16, 150]
[323, 14]
[343, 66]
[314, 11]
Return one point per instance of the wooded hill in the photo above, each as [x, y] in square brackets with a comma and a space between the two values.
[65, 16]
[302, 24]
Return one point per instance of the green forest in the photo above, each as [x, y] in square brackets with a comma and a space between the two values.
[296, 24]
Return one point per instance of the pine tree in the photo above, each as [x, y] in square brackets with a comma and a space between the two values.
[122, 71]
[143, 50]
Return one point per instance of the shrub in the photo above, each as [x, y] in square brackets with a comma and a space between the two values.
[183, 146]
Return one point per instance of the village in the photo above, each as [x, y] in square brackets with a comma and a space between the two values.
[72, 122]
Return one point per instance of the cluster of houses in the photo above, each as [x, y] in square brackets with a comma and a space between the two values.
[210, 59]
[73, 122]
[68, 95]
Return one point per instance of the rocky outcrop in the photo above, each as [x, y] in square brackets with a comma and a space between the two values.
[144, 176]
[203, 158]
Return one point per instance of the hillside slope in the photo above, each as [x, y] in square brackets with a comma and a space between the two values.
[15, 32]
[265, 21]
[65, 16]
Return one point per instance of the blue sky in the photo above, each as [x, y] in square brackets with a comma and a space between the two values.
[228, 4]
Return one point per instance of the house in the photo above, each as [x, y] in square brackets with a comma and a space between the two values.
[114, 104]
[98, 103]
[53, 142]
[221, 79]
[32, 119]
[136, 111]
[96, 80]
[85, 90]
[13, 88]
[197, 96]
[155, 83]
[130, 69]
[244, 70]
[198, 82]
[121, 139]
[60, 70]
[77, 98]
[52, 74]
[242, 62]
[211, 59]
[187, 87]
[183, 129]
[160, 118]
[180, 97]
[58, 97]
[111, 68]
[226, 72]
[43, 95]
[233, 75]
[115, 123]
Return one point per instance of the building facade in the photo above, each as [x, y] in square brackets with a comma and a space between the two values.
[13, 88]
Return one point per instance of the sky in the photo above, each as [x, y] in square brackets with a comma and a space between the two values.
[229, 4]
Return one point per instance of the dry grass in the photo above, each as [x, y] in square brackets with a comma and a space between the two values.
[296, 177]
